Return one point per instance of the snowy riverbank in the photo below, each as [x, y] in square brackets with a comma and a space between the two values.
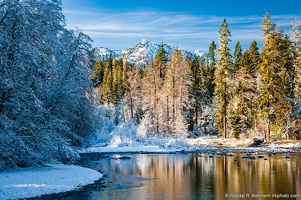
[55, 178]
[174, 144]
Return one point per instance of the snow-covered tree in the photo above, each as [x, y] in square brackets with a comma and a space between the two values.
[243, 107]
[294, 130]
[175, 92]
[44, 84]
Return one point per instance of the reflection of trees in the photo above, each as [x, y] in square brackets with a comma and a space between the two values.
[185, 175]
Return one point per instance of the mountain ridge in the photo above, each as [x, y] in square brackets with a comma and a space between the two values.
[141, 53]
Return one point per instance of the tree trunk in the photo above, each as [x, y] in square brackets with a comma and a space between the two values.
[132, 109]
[225, 125]
[225, 112]
[167, 114]
[267, 133]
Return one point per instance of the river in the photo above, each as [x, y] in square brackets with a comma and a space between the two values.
[195, 176]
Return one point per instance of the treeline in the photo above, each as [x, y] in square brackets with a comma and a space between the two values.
[248, 92]
[172, 94]
[45, 109]
[256, 91]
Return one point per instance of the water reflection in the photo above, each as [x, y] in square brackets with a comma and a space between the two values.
[198, 176]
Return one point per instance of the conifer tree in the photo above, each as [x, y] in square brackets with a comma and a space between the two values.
[296, 51]
[252, 70]
[268, 27]
[243, 104]
[98, 73]
[196, 94]
[274, 73]
[160, 61]
[237, 58]
[254, 59]
[106, 89]
[295, 131]
[124, 76]
[210, 69]
[222, 75]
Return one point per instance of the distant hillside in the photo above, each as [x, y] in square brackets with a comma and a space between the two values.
[140, 53]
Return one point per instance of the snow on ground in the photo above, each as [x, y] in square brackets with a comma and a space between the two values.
[179, 144]
[33, 182]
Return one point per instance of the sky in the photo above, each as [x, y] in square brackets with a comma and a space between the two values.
[190, 24]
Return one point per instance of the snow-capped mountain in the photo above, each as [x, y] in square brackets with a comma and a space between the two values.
[140, 53]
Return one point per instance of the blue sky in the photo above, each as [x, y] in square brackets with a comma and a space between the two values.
[191, 25]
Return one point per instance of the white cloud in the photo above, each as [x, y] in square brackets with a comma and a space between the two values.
[111, 28]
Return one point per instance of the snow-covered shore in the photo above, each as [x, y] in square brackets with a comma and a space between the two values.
[172, 145]
[34, 182]
[57, 178]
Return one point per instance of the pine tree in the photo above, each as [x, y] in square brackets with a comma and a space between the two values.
[237, 58]
[252, 70]
[274, 73]
[295, 131]
[254, 59]
[160, 61]
[196, 94]
[268, 27]
[117, 81]
[98, 73]
[210, 62]
[222, 75]
[106, 89]
[124, 76]
[243, 106]
[296, 50]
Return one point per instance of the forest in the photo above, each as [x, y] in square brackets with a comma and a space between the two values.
[248, 93]
[48, 108]
[46, 104]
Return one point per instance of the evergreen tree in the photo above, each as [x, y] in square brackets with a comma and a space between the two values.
[252, 70]
[196, 94]
[295, 131]
[160, 61]
[274, 73]
[296, 51]
[243, 106]
[106, 89]
[210, 69]
[237, 58]
[98, 73]
[268, 27]
[222, 75]
[254, 60]
[117, 81]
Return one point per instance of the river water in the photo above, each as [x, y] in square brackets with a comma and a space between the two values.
[195, 176]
